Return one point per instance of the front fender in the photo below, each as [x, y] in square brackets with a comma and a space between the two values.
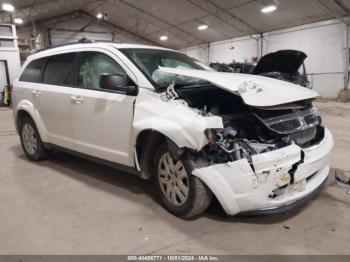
[181, 135]
[174, 119]
[29, 108]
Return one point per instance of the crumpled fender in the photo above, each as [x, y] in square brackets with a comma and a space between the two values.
[27, 106]
[174, 119]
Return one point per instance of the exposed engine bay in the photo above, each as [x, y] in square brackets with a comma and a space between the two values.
[248, 130]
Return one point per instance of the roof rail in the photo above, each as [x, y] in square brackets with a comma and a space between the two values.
[83, 40]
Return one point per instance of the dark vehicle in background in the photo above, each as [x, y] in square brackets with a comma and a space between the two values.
[220, 67]
[286, 65]
[243, 68]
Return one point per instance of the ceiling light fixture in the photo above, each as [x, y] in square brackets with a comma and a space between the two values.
[8, 7]
[202, 27]
[163, 38]
[268, 9]
[18, 21]
[99, 16]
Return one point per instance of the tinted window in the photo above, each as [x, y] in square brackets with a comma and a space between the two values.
[6, 30]
[33, 71]
[93, 66]
[59, 70]
[7, 43]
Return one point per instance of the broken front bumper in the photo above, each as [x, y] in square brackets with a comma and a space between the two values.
[270, 185]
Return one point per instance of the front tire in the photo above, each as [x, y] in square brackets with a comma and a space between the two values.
[31, 141]
[181, 193]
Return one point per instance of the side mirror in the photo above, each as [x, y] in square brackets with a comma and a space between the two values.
[117, 82]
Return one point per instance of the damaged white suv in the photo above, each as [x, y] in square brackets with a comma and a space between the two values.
[255, 143]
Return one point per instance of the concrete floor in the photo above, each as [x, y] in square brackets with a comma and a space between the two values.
[69, 205]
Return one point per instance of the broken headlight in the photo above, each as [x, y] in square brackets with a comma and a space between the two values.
[224, 145]
[317, 116]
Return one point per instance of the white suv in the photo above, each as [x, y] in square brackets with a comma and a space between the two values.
[255, 143]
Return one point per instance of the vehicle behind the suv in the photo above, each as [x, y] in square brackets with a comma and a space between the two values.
[242, 68]
[220, 67]
[286, 65]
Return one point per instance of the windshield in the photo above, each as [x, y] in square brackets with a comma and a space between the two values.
[149, 61]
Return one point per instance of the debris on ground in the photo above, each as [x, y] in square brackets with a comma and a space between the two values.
[341, 178]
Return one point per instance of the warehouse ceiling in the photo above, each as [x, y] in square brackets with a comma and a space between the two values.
[147, 20]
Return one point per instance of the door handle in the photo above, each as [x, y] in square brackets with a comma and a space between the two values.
[36, 93]
[77, 99]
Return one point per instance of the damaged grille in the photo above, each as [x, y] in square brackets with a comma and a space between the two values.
[292, 122]
[286, 126]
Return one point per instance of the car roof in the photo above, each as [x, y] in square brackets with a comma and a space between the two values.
[74, 46]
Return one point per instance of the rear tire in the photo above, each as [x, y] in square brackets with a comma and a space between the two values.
[181, 193]
[31, 141]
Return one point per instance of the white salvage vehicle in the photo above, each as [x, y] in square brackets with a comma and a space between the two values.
[256, 144]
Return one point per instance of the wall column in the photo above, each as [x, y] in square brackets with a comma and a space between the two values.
[344, 94]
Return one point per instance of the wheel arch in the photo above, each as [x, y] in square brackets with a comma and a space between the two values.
[146, 144]
[25, 108]
[183, 134]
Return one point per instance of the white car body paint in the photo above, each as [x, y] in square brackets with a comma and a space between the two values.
[258, 91]
[174, 119]
[237, 186]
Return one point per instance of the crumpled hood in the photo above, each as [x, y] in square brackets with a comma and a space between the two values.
[283, 61]
[256, 91]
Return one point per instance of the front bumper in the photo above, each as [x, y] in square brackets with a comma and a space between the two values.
[282, 209]
[269, 186]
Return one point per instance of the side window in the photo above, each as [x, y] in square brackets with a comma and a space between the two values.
[33, 71]
[60, 70]
[95, 64]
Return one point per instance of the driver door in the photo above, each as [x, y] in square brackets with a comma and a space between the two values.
[102, 119]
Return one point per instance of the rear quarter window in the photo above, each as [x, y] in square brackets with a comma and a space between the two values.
[33, 71]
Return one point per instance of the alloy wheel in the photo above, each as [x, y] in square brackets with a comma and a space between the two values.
[29, 138]
[173, 179]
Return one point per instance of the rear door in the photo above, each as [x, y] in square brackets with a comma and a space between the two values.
[29, 84]
[57, 86]
[102, 119]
